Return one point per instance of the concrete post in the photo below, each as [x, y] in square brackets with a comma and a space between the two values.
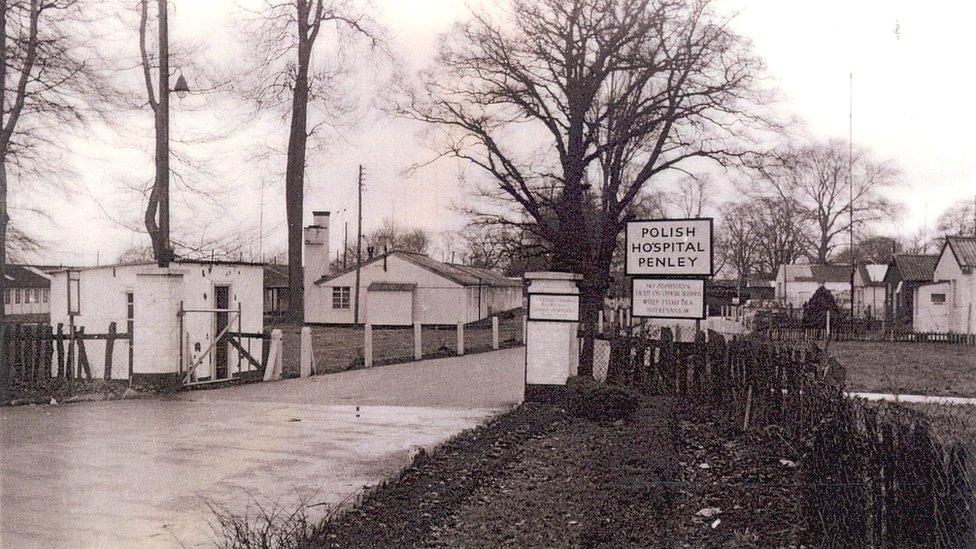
[460, 338]
[418, 344]
[272, 370]
[368, 346]
[599, 321]
[494, 332]
[306, 352]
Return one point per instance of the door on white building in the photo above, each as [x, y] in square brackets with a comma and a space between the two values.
[221, 318]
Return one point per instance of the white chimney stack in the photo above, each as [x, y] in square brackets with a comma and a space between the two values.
[317, 248]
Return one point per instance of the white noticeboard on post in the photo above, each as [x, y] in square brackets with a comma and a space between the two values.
[554, 307]
[669, 247]
[668, 298]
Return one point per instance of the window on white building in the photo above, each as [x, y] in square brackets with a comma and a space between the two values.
[6, 297]
[341, 297]
[17, 295]
[939, 299]
[45, 294]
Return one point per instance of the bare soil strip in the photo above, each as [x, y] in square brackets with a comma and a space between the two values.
[538, 477]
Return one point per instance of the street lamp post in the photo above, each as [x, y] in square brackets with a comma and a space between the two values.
[162, 133]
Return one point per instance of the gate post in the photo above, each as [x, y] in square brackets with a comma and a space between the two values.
[460, 338]
[418, 345]
[494, 332]
[368, 346]
[156, 342]
[305, 369]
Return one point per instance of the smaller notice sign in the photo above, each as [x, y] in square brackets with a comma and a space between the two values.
[663, 298]
[554, 307]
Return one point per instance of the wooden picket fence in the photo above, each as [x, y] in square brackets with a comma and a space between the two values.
[870, 475]
[805, 335]
[30, 350]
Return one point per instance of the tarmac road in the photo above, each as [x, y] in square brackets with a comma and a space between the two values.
[141, 473]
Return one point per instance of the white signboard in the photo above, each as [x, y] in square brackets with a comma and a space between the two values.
[662, 298]
[554, 307]
[669, 247]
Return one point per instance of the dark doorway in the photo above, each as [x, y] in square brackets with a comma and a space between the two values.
[222, 303]
[130, 315]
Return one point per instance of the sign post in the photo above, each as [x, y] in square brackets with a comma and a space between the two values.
[551, 342]
[668, 261]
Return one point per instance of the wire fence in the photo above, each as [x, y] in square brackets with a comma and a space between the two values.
[871, 474]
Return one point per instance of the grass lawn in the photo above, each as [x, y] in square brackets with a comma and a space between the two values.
[339, 348]
[912, 368]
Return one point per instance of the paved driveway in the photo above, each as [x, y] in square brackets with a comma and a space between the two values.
[139, 473]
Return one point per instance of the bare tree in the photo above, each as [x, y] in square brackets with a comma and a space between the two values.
[816, 176]
[286, 37]
[396, 237]
[50, 81]
[694, 196]
[564, 102]
[739, 245]
[779, 228]
[958, 219]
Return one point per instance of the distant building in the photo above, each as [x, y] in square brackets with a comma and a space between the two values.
[948, 303]
[720, 293]
[905, 273]
[27, 293]
[870, 290]
[796, 284]
[399, 288]
[275, 290]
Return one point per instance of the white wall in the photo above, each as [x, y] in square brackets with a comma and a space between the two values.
[962, 294]
[929, 316]
[390, 308]
[436, 300]
[103, 300]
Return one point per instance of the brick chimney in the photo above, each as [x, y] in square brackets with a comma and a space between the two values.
[317, 248]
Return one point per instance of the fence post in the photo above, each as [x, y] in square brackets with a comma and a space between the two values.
[460, 338]
[272, 367]
[368, 346]
[599, 321]
[418, 342]
[494, 332]
[305, 368]
[109, 347]
[828, 324]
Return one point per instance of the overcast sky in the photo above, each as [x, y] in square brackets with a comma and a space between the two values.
[912, 93]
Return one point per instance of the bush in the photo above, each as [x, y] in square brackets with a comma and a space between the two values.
[593, 400]
[815, 311]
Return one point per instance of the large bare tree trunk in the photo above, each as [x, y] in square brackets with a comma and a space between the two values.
[295, 175]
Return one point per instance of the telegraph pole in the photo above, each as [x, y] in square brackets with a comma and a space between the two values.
[345, 243]
[850, 182]
[162, 136]
[359, 241]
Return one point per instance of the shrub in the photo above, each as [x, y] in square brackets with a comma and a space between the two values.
[594, 400]
[815, 311]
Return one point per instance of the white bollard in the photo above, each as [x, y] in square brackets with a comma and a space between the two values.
[494, 332]
[368, 346]
[418, 344]
[272, 369]
[460, 338]
[305, 369]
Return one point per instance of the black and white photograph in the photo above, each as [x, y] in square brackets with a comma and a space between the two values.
[487, 273]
